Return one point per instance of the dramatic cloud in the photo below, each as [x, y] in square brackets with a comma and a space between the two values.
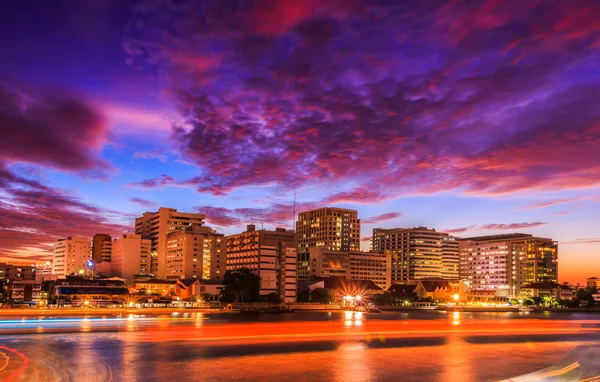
[33, 216]
[159, 182]
[381, 218]
[50, 130]
[380, 99]
[512, 226]
[274, 215]
[143, 202]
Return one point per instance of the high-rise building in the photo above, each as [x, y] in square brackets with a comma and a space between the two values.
[450, 257]
[131, 257]
[101, 247]
[272, 255]
[417, 253]
[156, 226]
[352, 265]
[71, 255]
[335, 229]
[508, 262]
[196, 252]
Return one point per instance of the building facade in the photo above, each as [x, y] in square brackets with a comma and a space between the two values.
[335, 229]
[131, 257]
[101, 247]
[71, 255]
[272, 255]
[15, 272]
[418, 253]
[196, 253]
[508, 261]
[156, 226]
[352, 265]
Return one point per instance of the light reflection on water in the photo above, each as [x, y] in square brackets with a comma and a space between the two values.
[137, 355]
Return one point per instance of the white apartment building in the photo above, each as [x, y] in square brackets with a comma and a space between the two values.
[156, 226]
[196, 252]
[71, 255]
[272, 255]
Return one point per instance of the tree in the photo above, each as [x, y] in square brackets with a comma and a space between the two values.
[586, 295]
[273, 298]
[321, 295]
[303, 295]
[383, 299]
[240, 285]
[514, 301]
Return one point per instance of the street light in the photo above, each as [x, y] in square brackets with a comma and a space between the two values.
[456, 297]
[358, 298]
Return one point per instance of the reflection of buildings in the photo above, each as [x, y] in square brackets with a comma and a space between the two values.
[352, 265]
[269, 254]
[418, 253]
[71, 255]
[130, 257]
[195, 252]
[334, 229]
[508, 262]
[156, 226]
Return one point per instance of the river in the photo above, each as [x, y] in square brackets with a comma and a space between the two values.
[318, 346]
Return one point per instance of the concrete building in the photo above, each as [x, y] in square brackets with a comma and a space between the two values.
[418, 253]
[156, 226]
[26, 291]
[101, 248]
[15, 272]
[130, 257]
[159, 287]
[508, 261]
[450, 257]
[335, 229]
[352, 265]
[272, 255]
[71, 255]
[81, 292]
[197, 252]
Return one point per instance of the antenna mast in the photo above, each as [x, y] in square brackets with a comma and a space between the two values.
[294, 213]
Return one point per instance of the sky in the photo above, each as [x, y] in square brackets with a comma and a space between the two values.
[471, 117]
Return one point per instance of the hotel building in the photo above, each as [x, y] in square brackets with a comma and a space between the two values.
[196, 252]
[131, 257]
[334, 229]
[272, 255]
[352, 265]
[418, 253]
[71, 255]
[508, 262]
[156, 226]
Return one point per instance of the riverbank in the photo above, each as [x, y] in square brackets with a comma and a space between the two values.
[53, 312]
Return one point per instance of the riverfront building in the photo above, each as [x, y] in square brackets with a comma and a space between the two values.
[272, 255]
[71, 255]
[197, 252]
[334, 229]
[155, 226]
[418, 253]
[131, 257]
[101, 248]
[508, 262]
[352, 265]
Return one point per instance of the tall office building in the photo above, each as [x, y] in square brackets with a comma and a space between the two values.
[508, 262]
[352, 265]
[156, 226]
[71, 255]
[196, 252]
[335, 229]
[101, 247]
[131, 257]
[418, 253]
[450, 257]
[272, 255]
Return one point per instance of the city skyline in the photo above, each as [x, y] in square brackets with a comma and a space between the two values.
[400, 112]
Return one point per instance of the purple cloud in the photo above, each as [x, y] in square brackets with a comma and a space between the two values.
[159, 182]
[381, 218]
[512, 226]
